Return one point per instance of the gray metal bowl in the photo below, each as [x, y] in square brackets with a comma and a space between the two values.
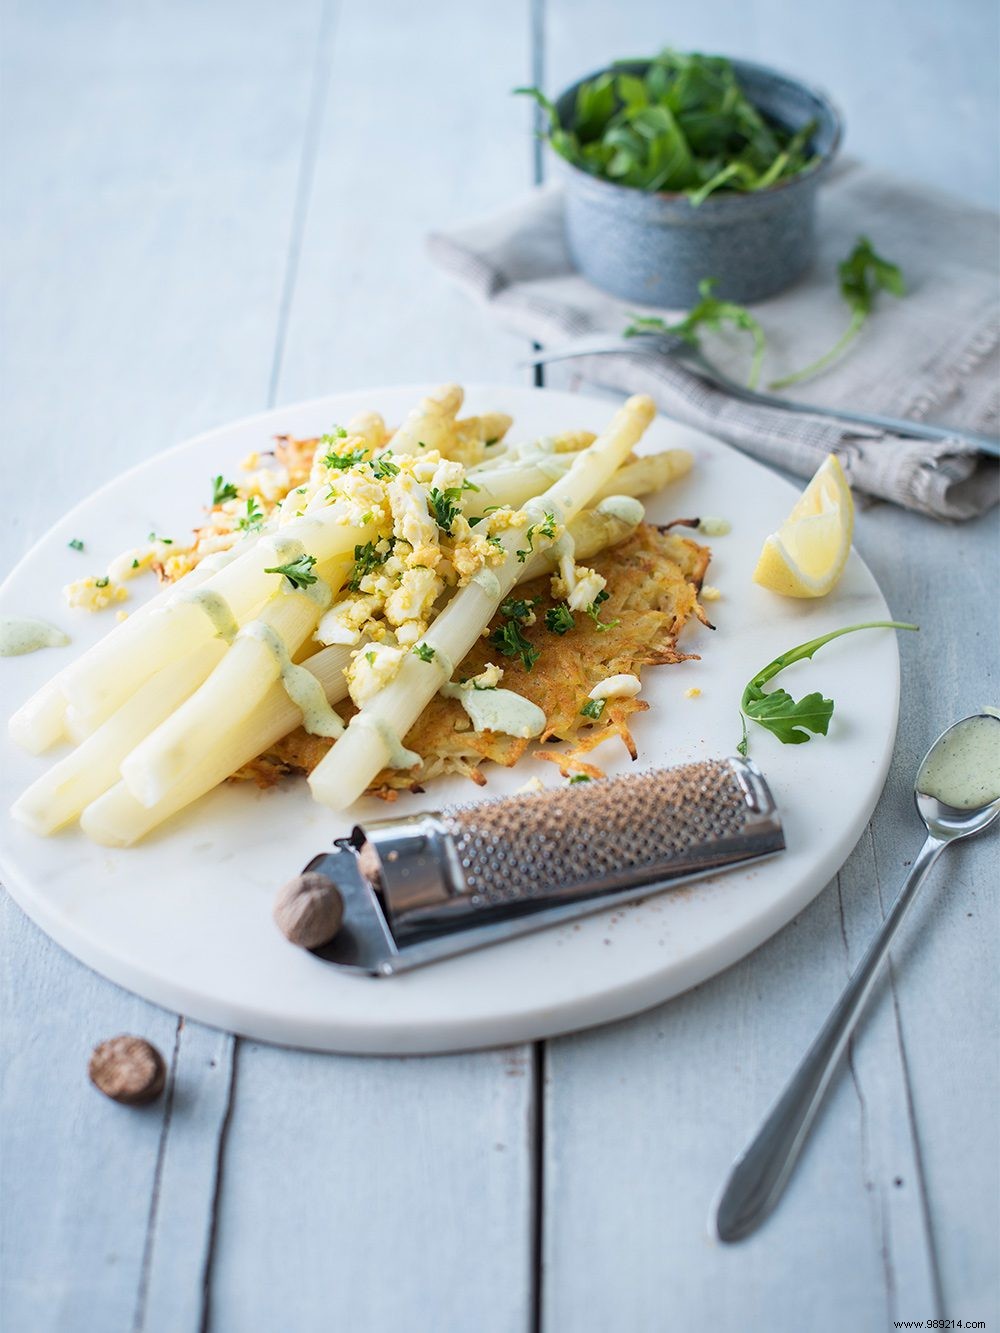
[654, 248]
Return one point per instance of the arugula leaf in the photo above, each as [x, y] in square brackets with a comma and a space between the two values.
[677, 122]
[222, 491]
[862, 275]
[298, 572]
[509, 640]
[790, 720]
[710, 313]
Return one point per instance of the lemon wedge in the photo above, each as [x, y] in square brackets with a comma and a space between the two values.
[806, 556]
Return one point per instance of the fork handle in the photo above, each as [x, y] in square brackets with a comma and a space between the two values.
[919, 430]
[759, 1176]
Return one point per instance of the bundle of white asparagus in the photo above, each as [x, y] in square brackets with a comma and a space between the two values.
[219, 666]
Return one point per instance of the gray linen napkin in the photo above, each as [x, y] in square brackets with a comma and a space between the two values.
[932, 354]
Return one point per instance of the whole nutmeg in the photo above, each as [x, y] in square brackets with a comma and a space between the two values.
[128, 1070]
[309, 909]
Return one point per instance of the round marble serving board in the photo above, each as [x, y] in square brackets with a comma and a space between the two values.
[184, 919]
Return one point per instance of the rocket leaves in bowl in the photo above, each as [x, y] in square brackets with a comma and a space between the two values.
[679, 123]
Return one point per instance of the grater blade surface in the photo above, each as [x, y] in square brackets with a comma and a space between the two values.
[546, 842]
[431, 885]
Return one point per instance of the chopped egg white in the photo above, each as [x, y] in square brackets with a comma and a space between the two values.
[588, 584]
[371, 668]
[617, 687]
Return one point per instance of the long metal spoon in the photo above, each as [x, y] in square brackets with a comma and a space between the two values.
[759, 1176]
[689, 355]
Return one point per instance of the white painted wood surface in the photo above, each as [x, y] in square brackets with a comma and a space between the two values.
[212, 208]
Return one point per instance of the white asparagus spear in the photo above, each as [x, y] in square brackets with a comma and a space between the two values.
[431, 424]
[117, 819]
[514, 486]
[104, 677]
[57, 797]
[172, 752]
[41, 721]
[374, 736]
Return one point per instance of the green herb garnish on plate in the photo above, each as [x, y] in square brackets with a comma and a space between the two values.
[789, 719]
[298, 572]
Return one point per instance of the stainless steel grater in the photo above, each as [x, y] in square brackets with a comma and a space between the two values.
[428, 886]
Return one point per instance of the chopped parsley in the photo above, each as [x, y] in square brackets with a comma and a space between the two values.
[593, 708]
[366, 559]
[384, 468]
[523, 554]
[559, 619]
[222, 491]
[579, 777]
[253, 518]
[518, 608]
[509, 640]
[488, 444]
[425, 652]
[546, 528]
[329, 441]
[75, 544]
[298, 572]
[445, 506]
[593, 611]
[164, 541]
[370, 657]
[135, 564]
[341, 462]
[102, 582]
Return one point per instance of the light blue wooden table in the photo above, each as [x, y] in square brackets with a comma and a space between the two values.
[213, 207]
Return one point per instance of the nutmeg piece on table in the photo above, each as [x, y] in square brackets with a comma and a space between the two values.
[309, 909]
[129, 1070]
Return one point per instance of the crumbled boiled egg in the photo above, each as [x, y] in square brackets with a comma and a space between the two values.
[93, 593]
[710, 594]
[488, 679]
[692, 693]
[588, 584]
[617, 687]
[413, 599]
[345, 619]
[371, 668]
[411, 520]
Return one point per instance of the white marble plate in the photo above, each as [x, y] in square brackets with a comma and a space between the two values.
[184, 919]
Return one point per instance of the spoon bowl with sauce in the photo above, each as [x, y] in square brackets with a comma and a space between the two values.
[957, 793]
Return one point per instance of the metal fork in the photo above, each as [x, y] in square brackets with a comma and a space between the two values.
[690, 356]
